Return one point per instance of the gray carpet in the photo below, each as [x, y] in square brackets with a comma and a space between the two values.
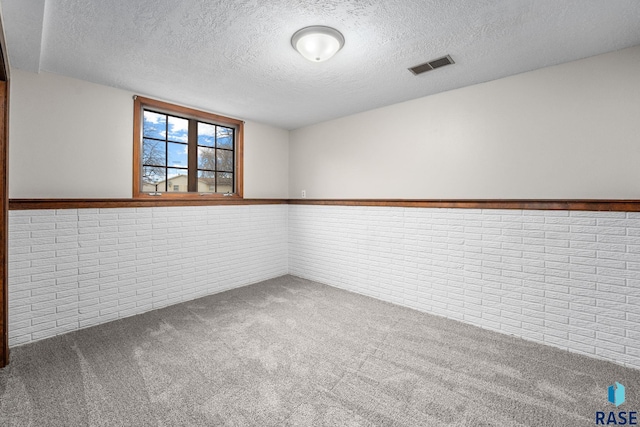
[293, 352]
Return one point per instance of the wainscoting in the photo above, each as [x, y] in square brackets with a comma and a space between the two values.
[566, 278]
[570, 279]
[74, 268]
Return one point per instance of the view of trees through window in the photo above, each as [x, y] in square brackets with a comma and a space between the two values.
[186, 155]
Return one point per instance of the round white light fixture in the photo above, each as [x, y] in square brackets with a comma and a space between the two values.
[317, 43]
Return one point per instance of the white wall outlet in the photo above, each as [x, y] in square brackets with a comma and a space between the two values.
[304, 194]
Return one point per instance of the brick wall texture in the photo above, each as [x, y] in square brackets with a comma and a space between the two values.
[569, 279]
[70, 269]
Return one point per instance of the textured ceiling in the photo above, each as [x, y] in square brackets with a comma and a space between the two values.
[235, 57]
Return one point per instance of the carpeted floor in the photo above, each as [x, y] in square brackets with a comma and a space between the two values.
[293, 352]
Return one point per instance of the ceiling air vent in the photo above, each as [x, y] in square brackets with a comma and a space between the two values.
[431, 65]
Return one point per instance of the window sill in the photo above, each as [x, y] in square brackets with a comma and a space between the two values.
[186, 196]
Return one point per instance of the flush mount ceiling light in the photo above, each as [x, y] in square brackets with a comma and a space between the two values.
[317, 43]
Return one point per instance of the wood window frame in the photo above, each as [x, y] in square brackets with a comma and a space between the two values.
[140, 103]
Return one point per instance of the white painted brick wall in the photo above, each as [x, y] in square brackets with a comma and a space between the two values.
[567, 279]
[70, 269]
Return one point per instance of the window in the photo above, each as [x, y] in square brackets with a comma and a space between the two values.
[181, 152]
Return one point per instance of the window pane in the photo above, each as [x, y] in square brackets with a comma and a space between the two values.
[178, 180]
[155, 125]
[206, 158]
[153, 152]
[178, 155]
[206, 182]
[225, 182]
[225, 137]
[182, 151]
[206, 134]
[153, 179]
[225, 160]
[178, 129]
